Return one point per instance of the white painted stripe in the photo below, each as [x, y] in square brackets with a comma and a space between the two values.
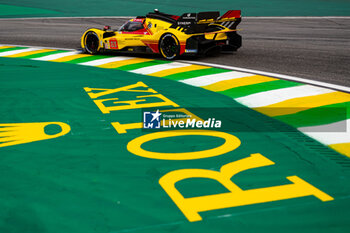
[104, 61]
[161, 67]
[275, 96]
[13, 52]
[281, 76]
[334, 133]
[214, 78]
[56, 56]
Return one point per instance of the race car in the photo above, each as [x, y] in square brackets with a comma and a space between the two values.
[169, 35]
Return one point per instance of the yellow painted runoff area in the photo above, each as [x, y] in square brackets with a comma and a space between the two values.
[238, 82]
[178, 70]
[31, 53]
[71, 57]
[343, 148]
[303, 103]
[6, 47]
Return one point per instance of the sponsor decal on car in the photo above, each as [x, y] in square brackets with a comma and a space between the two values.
[137, 20]
[191, 50]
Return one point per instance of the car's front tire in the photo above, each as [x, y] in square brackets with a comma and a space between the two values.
[91, 43]
[169, 46]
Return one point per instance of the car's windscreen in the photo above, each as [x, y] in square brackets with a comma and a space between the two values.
[131, 26]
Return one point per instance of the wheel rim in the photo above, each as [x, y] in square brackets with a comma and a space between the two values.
[91, 43]
[169, 46]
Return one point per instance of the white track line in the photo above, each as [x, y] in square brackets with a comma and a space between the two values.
[56, 56]
[13, 52]
[281, 76]
[275, 96]
[334, 134]
[103, 61]
[161, 67]
[214, 78]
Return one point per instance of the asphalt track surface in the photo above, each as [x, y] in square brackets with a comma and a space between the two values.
[312, 48]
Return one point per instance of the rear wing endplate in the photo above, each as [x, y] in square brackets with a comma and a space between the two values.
[197, 22]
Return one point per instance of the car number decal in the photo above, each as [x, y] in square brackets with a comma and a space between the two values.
[113, 44]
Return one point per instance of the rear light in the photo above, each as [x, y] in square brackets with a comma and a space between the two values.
[236, 14]
[232, 13]
[175, 17]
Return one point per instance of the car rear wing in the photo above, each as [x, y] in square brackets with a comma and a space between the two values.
[198, 22]
[230, 19]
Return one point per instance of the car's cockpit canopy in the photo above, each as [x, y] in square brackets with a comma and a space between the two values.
[131, 26]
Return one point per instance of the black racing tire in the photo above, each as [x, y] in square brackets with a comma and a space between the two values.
[169, 46]
[91, 43]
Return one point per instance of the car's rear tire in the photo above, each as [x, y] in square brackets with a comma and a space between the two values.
[169, 46]
[92, 43]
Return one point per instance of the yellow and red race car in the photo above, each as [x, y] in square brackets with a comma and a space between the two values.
[169, 35]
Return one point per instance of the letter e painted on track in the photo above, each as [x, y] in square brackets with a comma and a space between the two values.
[191, 207]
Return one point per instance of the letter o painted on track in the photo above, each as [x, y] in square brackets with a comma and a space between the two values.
[230, 144]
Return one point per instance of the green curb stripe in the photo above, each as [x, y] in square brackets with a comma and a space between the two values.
[259, 87]
[87, 59]
[195, 73]
[43, 54]
[318, 116]
[142, 65]
[12, 49]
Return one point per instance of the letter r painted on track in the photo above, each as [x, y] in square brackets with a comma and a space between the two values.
[191, 207]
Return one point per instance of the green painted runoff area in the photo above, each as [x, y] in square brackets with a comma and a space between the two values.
[88, 182]
[42, 8]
